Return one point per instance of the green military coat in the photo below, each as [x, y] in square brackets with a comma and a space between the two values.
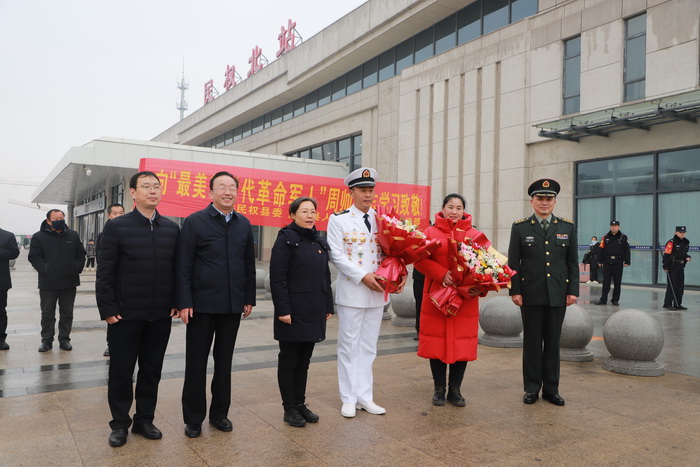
[547, 263]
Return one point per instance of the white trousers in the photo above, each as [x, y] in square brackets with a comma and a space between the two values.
[358, 332]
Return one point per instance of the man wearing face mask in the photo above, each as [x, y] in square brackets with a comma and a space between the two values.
[57, 254]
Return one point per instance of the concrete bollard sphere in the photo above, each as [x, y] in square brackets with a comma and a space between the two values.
[634, 339]
[576, 334]
[260, 278]
[501, 322]
[404, 306]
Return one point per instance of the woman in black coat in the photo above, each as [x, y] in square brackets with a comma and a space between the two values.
[300, 281]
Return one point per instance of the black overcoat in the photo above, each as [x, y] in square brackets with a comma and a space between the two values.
[300, 281]
[8, 250]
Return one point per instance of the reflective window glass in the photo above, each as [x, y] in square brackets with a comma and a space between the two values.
[386, 65]
[673, 211]
[338, 88]
[344, 148]
[679, 170]
[317, 153]
[423, 43]
[277, 116]
[634, 174]
[329, 152]
[636, 221]
[219, 141]
[593, 219]
[404, 55]
[305, 154]
[268, 120]
[357, 144]
[369, 72]
[237, 133]
[495, 15]
[520, 9]
[287, 111]
[324, 95]
[258, 124]
[247, 129]
[469, 23]
[311, 101]
[228, 138]
[299, 106]
[354, 80]
[595, 178]
[446, 34]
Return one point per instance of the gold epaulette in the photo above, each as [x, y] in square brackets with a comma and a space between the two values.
[337, 213]
[566, 220]
[520, 221]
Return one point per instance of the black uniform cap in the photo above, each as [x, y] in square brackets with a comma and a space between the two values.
[614, 222]
[544, 187]
[680, 228]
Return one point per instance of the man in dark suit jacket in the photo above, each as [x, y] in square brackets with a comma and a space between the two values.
[8, 250]
[543, 252]
[215, 286]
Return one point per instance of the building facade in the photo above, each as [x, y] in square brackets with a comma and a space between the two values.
[481, 97]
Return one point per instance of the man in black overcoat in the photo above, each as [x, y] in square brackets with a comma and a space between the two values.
[8, 251]
[215, 287]
[543, 251]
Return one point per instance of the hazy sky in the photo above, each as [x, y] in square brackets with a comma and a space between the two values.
[75, 70]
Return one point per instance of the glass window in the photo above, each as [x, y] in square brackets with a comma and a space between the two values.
[288, 111]
[636, 221]
[495, 15]
[679, 170]
[228, 138]
[268, 120]
[354, 80]
[299, 105]
[469, 23]
[369, 72]
[446, 34]
[404, 55]
[635, 58]
[237, 133]
[338, 88]
[329, 152]
[572, 75]
[247, 129]
[258, 124]
[593, 219]
[424, 45]
[634, 174]
[673, 211]
[324, 95]
[317, 153]
[277, 116]
[311, 100]
[594, 178]
[520, 9]
[357, 144]
[355, 162]
[344, 148]
[305, 154]
[220, 141]
[386, 65]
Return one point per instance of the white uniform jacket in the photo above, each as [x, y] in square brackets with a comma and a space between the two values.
[355, 252]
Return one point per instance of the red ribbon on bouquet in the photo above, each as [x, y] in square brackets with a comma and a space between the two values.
[400, 248]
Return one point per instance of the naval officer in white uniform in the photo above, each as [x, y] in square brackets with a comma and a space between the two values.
[360, 299]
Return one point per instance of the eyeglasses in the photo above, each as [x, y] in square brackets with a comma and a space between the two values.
[150, 187]
[224, 189]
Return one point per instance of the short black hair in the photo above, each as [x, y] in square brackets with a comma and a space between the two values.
[137, 175]
[113, 205]
[48, 214]
[223, 173]
[454, 195]
[294, 207]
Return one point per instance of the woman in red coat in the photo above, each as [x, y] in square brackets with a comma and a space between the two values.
[448, 340]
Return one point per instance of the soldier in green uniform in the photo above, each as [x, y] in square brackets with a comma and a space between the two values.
[543, 251]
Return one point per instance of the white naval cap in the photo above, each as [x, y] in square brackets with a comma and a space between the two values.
[362, 177]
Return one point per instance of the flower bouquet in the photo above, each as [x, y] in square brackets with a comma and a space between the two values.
[472, 267]
[402, 243]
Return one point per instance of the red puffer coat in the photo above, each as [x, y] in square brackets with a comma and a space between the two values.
[455, 338]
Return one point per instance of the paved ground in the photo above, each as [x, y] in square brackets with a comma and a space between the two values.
[53, 408]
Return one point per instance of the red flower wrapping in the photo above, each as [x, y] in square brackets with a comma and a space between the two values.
[449, 299]
[400, 247]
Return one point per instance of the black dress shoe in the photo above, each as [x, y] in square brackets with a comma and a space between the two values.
[222, 425]
[455, 397]
[193, 430]
[106, 353]
[147, 430]
[616, 303]
[670, 308]
[118, 437]
[681, 307]
[530, 397]
[553, 398]
[600, 302]
[293, 417]
[65, 346]
[4, 346]
[45, 347]
[308, 415]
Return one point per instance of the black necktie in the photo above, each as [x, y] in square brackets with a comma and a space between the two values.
[369, 227]
[545, 225]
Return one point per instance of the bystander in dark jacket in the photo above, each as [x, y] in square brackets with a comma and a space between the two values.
[8, 251]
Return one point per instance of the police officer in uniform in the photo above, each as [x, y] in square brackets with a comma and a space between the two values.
[674, 260]
[613, 256]
[356, 254]
[543, 250]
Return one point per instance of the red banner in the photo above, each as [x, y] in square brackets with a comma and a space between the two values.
[264, 195]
